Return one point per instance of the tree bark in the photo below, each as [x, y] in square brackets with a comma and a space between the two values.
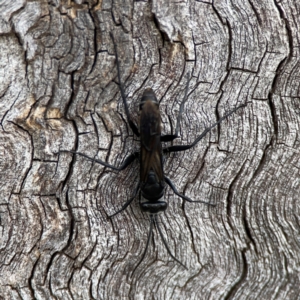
[59, 91]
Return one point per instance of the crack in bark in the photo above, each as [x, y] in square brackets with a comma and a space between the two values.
[191, 232]
[9, 109]
[244, 70]
[270, 97]
[288, 30]
[230, 192]
[248, 230]
[257, 15]
[32, 155]
[233, 290]
[31, 278]
[163, 35]
[261, 163]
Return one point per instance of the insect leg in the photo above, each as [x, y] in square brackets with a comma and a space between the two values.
[172, 186]
[171, 137]
[130, 122]
[202, 135]
[147, 244]
[125, 164]
[127, 202]
[165, 243]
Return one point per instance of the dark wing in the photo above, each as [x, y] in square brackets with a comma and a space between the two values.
[151, 150]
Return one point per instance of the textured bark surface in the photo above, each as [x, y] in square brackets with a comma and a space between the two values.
[58, 91]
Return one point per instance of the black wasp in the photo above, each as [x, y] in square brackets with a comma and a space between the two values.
[152, 178]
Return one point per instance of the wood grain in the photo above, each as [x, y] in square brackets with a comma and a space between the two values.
[59, 91]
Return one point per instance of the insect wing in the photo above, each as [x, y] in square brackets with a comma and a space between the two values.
[151, 150]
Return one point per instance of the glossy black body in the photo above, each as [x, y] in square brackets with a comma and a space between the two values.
[152, 182]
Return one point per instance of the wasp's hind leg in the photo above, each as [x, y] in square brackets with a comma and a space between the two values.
[172, 186]
[165, 242]
[127, 202]
[147, 244]
[178, 148]
[153, 220]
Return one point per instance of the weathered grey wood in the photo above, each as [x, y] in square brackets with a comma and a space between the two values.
[58, 91]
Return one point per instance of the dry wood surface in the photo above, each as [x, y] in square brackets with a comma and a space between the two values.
[59, 91]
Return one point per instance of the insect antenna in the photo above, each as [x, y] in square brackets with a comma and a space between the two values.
[164, 241]
[121, 87]
[181, 108]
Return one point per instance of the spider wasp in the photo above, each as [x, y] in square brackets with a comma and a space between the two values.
[153, 181]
